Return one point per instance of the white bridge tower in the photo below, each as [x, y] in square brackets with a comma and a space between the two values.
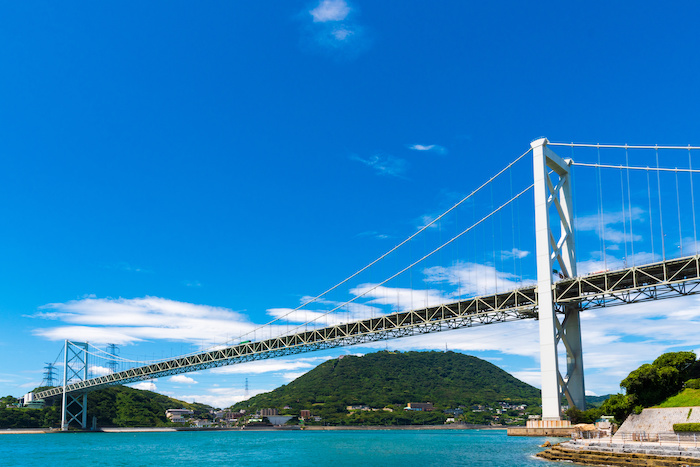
[556, 256]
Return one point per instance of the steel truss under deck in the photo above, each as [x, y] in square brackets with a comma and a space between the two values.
[655, 281]
[508, 306]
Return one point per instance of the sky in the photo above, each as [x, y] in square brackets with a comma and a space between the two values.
[175, 175]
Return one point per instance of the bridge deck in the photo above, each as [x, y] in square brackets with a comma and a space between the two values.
[649, 282]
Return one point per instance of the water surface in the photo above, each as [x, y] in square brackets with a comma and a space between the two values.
[252, 448]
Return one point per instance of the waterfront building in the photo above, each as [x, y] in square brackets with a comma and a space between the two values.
[178, 415]
[420, 406]
[350, 408]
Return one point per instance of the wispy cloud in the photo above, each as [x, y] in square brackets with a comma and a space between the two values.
[145, 386]
[373, 234]
[473, 278]
[514, 253]
[221, 396]
[330, 10]
[126, 267]
[31, 384]
[125, 321]
[598, 263]
[333, 28]
[400, 299]
[278, 365]
[425, 220]
[384, 164]
[182, 379]
[434, 148]
[611, 225]
[97, 370]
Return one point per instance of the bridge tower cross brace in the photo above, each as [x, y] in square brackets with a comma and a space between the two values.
[554, 207]
[75, 368]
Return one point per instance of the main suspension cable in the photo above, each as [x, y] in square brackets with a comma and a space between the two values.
[410, 266]
[308, 302]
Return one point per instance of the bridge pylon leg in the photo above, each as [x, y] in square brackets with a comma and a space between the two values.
[556, 256]
[75, 368]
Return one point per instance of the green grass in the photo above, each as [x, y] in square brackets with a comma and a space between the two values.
[686, 398]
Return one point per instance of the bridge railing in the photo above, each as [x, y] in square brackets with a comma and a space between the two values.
[486, 309]
[634, 284]
[650, 282]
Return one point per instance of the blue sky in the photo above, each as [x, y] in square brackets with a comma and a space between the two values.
[175, 173]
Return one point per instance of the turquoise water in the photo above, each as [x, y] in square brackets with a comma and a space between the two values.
[243, 448]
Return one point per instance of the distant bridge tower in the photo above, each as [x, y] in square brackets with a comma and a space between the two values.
[75, 368]
[556, 250]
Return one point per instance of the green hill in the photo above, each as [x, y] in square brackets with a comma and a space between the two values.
[113, 406]
[392, 379]
[125, 406]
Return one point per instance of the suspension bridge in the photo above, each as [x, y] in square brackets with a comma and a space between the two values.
[554, 290]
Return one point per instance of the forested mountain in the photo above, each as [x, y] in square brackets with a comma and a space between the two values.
[382, 379]
[113, 406]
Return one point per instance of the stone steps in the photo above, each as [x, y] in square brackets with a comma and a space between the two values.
[578, 456]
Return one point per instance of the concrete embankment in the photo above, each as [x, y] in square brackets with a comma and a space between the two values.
[253, 428]
[452, 426]
[659, 420]
[646, 439]
[523, 431]
[621, 455]
[26, 431]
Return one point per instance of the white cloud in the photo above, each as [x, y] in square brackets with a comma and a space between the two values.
[347, 312]
[123, 266]
[612, 262]
[125, 321]
[31, 384]
[145, 386]
[384, 164]
[182, 379]
[373, 234]
[291, 376]
[221, 397]
[97, 370]
[272, 365]
[530, 376]
[330, 10]
[473, 278]
[401, 299]
[514, 253]
[609, 225]
[435, 148]
[426, 220]
[332, 29]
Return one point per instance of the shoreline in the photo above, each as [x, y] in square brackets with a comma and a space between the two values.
[26, 431]
[405, 427]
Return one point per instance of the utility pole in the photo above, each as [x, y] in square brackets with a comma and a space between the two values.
[112, 364]
[49, 374]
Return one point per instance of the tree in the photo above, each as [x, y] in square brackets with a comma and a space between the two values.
[651, 383]
[619, 406]
[583, 416]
